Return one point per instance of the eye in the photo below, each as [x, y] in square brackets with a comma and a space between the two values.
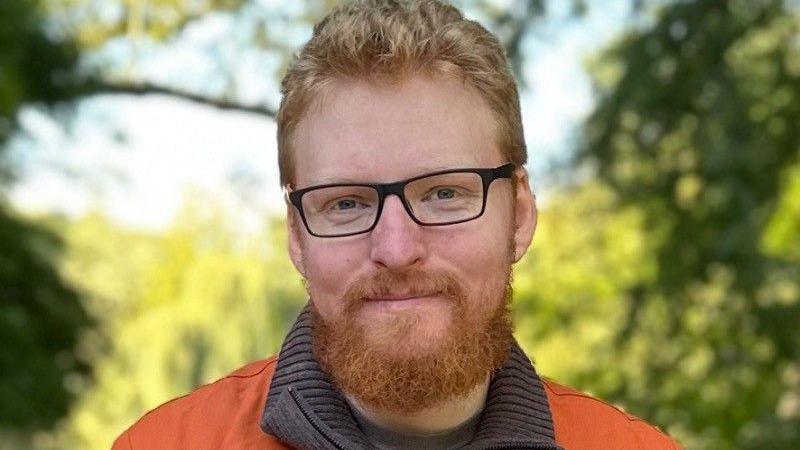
[346, 204]
[445, 193]
[442, 193]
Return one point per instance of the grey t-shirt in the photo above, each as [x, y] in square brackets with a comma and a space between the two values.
[386, 439]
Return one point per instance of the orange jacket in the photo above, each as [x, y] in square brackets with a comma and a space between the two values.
[226, 414]
[290, 401]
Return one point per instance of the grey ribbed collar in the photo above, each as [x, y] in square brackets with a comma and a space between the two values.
[304, 410]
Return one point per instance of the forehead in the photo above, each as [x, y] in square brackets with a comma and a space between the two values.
[380, 131]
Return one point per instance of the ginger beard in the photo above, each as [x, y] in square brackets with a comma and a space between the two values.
[375, 362]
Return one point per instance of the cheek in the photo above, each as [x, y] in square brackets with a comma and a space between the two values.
[484, 245]
[481, 260]
[329, 269]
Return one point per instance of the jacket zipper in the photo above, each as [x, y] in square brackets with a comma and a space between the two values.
[320, 429]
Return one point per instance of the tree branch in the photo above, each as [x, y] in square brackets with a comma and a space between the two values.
[140, 89]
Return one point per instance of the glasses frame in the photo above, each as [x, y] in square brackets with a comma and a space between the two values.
[488, 175]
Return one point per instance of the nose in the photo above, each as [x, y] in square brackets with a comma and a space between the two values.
[397, 241]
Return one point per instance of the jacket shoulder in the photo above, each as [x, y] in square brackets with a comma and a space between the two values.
[222, 414]
[585, 422]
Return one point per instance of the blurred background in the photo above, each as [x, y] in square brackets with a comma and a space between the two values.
[142, 245]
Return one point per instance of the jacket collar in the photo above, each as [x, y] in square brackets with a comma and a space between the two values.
[304, 410]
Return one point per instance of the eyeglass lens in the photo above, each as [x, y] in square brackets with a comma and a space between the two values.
[436, 199]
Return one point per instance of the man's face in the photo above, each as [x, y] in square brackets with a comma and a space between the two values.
[424, 283]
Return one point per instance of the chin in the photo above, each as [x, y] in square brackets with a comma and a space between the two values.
[405, 333]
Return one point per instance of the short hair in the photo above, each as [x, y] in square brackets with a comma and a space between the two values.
[392, 39]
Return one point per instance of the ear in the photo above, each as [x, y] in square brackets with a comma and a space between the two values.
[525, 214]
[295, 229]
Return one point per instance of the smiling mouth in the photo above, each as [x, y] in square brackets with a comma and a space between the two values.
[391, 304]
[401, 298]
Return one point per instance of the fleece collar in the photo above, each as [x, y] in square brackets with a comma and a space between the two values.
[304, 410]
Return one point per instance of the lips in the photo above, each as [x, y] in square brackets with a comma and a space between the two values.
[399, 297]
[394, 299]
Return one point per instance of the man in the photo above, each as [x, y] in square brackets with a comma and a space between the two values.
[401, 151]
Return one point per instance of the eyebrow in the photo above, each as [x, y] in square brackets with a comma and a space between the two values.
[338, 180]
[347, 180]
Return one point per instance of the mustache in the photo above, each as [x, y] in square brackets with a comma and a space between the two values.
[407, 283]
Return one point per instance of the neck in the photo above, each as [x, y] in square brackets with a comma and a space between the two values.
[442, 417]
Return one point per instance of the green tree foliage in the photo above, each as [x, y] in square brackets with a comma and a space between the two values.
[668, 284]
[94, 24]
[179, 309]
[40, 315]
[34, 68]
[696, 127]
[263, 31]
[570, 290]
[39, 319]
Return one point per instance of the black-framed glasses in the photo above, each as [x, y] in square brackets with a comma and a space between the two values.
[434, 199]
